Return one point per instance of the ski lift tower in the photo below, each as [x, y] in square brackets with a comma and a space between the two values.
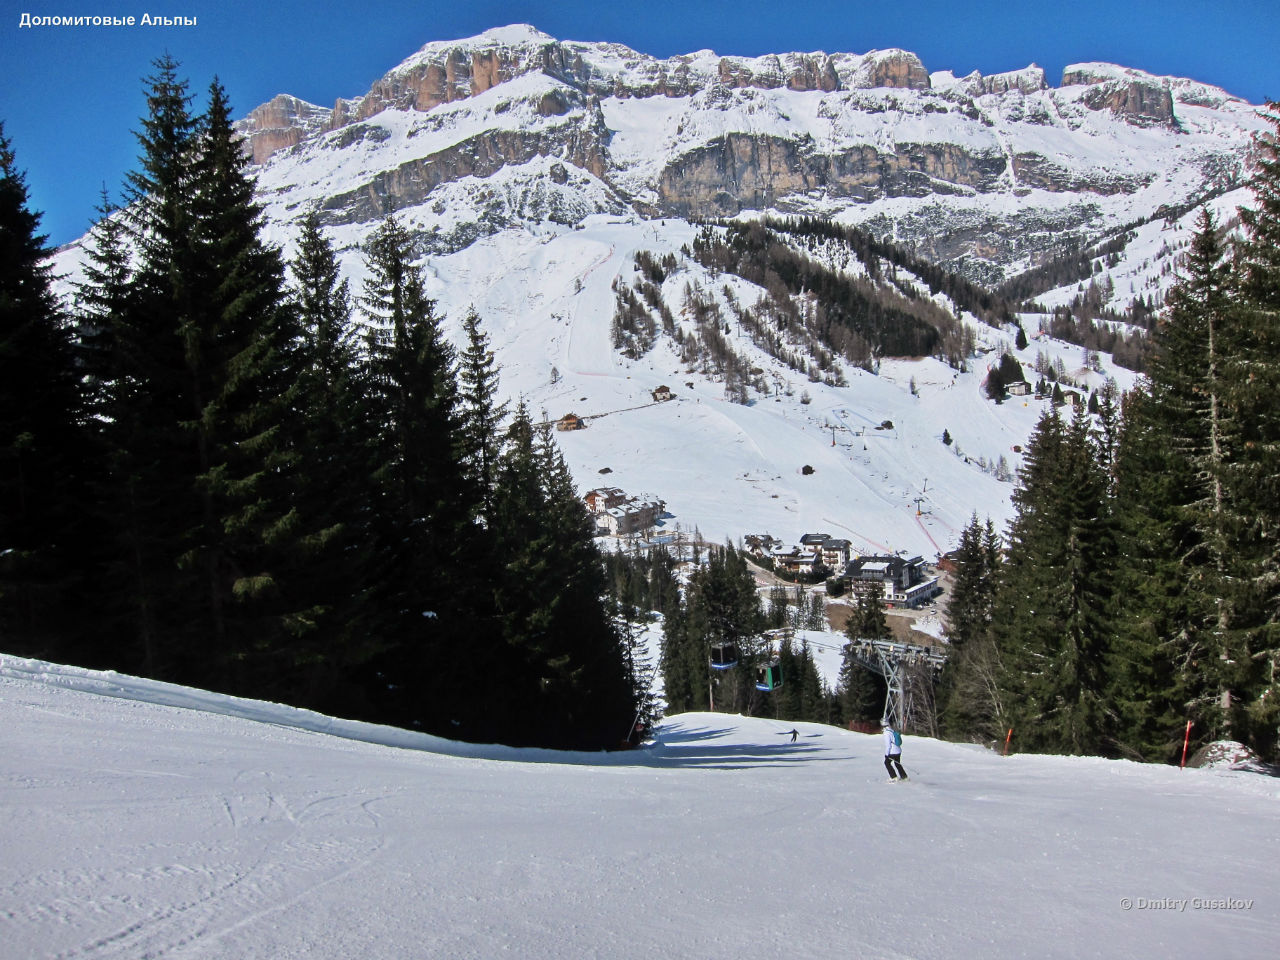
[888, 658]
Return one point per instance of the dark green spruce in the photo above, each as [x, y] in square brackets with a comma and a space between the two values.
[42, 448]
[1050, 614]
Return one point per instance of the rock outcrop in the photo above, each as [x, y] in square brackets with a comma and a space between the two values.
[459, 72]
[1026, 81]
[896, 69]
[1139, 98]
[794, 71]
[743, 172]
[280, 123]
[481, 156]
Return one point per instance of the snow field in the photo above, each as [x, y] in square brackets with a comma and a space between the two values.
[134, 828]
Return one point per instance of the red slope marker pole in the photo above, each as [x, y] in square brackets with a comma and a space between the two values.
[1185, 740]
[1006, 742]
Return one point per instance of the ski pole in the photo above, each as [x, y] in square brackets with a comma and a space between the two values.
[1006, 742]
[1185, 740]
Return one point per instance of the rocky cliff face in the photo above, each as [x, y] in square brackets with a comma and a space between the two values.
[445, 73]
[280, 123]
[1028, 81]
[411, 183]
[772, 172]
[1138, 98]
[861, 137]
[456, 74]
[892, 69]
[795, 72]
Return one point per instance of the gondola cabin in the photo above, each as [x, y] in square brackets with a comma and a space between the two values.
[769, 676]
[724, 656]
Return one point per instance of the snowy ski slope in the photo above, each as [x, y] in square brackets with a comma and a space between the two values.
[145, 820]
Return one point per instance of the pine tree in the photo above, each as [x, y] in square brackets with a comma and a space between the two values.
[720, 607]
[595, 697]
[868, 620]
[964, 700]
[1108, 399]
[102, 306]
[524, 576]
[421, 523]
[414, 385]
[686, 674]
[1050, 614]
[1171, 623]
[815, 700]
[335, 642]
[1249, 471]
[969, 605]
[104, 309]
[860, 691]
[565, 680]
[40, 436]
[240, 384]
[482, 413]
[777, 614]
[157, 193]
[144, 418]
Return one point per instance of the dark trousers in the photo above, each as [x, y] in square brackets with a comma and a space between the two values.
[890, 761]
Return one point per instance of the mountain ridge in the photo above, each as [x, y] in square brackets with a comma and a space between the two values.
[890, 68]
[868, 138]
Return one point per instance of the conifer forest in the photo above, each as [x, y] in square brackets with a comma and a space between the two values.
[228, 471]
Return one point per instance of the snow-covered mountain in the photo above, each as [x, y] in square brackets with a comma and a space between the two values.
[534, 170]
[987, 173]
[147, 820]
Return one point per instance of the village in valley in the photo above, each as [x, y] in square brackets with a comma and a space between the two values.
[906, 581]
[827, 566]
[818, 568]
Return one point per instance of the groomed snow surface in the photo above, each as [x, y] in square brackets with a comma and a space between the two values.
[144, 820]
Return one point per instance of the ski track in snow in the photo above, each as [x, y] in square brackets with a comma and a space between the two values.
[144, 820]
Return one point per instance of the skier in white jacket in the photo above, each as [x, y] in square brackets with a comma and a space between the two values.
[892, 752]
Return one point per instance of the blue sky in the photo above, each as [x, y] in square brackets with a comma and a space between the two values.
[70, 96]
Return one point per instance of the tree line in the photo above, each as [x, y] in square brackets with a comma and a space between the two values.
[721, 605]
[225, 470]
[882, 257]
[1138, 587]
[859, 318]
